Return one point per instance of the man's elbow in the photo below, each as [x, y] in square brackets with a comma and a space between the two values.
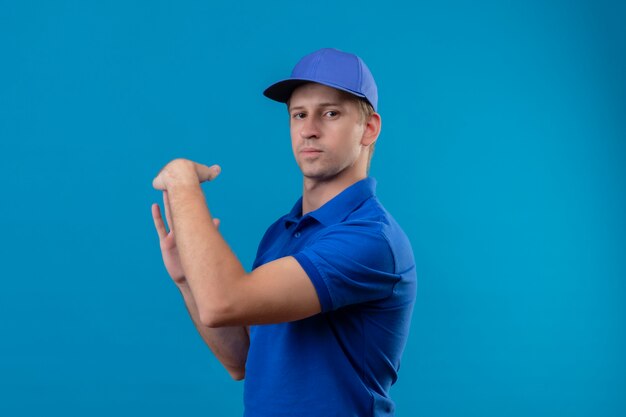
[211, 318]
[216, 316]
[237, 374]
[220, 309]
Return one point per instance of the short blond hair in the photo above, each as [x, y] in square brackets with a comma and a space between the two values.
[366, 110]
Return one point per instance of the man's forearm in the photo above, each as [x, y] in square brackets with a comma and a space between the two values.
[211, 268]
[228, 344]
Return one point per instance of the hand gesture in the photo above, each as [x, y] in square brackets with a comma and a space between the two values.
[184, 171]
[169, 251]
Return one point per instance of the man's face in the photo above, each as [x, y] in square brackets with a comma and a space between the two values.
[326, 131]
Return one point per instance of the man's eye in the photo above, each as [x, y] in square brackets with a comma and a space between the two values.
[332, 113]
[298, 115]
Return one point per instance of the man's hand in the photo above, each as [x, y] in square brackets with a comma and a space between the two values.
[176, 172]
[169, 251]
[224, 294]
[184, 172]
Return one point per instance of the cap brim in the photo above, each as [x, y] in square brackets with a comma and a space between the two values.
[281, 91]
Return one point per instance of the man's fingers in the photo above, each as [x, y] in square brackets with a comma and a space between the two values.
[206, 173]
[158, 221]
[203, 172]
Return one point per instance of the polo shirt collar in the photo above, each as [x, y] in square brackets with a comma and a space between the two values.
[337, 208]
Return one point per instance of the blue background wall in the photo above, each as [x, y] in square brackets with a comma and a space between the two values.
[502, 154]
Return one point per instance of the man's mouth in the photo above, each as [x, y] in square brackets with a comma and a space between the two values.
[310, 151]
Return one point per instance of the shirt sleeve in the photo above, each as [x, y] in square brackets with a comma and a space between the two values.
[350, 263]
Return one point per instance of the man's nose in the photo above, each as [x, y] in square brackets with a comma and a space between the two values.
[310, 128]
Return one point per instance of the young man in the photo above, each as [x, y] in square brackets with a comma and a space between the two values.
[318, 327]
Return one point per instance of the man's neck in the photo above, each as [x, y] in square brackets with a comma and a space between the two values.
[316, 193]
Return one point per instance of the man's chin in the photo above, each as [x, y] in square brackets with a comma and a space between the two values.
[319, 176]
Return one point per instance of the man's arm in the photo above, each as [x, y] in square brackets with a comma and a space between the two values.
[224, 293]
[228, 344]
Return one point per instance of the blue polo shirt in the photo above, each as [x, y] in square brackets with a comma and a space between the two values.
[342, 361]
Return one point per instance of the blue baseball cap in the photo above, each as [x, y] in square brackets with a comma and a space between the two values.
[330, 67]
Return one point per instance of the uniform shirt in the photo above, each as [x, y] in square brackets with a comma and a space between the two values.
[342, 361]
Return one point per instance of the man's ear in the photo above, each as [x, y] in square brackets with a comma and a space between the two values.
[372, 129]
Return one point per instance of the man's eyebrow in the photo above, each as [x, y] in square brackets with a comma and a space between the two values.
[327, 104]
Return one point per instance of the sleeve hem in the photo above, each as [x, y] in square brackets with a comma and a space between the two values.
[316, 280]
